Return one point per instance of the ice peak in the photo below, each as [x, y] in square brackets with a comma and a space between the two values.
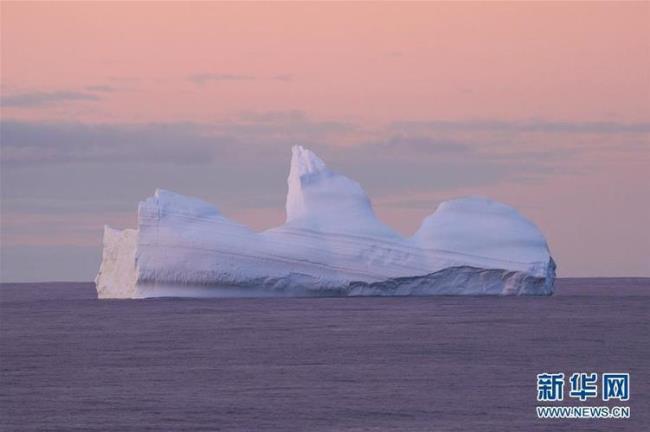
[322, 199]
[304, 164]
[304, 161]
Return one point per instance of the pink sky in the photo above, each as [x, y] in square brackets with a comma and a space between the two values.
[378, 63]
[564, 68]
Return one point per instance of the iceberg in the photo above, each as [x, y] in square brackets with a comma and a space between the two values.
[332, 244]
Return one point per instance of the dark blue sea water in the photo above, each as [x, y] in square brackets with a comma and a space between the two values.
[73, 363]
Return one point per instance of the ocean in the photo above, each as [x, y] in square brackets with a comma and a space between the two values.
[73, 363]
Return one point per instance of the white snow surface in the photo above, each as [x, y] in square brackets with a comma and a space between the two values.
[332, 244]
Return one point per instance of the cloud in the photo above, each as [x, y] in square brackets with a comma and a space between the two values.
[39, 99]
[404, 143]
[596, 127]
[207, 77]
[101, 88]
[204, 78]
[272, 116]
[287, 125]
[383, 158]
[34, 142]
[418, 159]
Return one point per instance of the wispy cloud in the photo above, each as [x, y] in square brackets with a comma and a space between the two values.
[272, 116]
[292, 124]
[101, 88]
[404, 143]
[385, 159]
[204, 78]
[34, 142]
[597, 127]
[45, 98]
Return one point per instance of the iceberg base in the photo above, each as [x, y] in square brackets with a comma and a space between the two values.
[450, 281]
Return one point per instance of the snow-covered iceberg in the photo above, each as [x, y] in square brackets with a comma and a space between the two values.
[332, 244]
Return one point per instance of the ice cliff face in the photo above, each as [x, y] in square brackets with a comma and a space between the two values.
[331, 244]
